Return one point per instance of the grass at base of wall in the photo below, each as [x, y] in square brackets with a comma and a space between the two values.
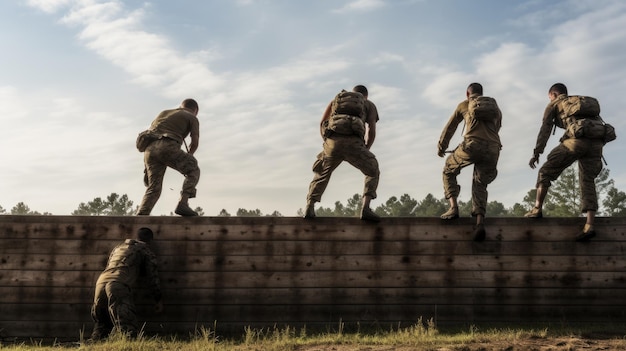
[424, 335]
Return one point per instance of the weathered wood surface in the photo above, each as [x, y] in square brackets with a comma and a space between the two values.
[269, 271]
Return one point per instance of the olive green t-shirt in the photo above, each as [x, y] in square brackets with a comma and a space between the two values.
[371, 112]
[176, 124]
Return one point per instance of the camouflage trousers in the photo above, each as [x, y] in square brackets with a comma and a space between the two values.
[588, 153]
[113, 308]
[158, 156]
[484, 156]
[337, 149]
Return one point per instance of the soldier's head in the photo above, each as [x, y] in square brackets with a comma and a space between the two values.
[360, 89]
[556, 90]
[474, 88]
[191, 105]
[145, 234]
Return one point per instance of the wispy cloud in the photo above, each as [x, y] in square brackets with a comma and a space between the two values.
[360, 6]
[49, 6]
[115, 33]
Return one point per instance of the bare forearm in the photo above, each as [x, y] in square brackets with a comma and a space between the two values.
[195, 142]
[369, 141]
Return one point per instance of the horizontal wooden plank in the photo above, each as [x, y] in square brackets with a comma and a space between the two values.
[290, 228]
[66, 262]
[337, 279]
[174, 296]
[320, 247]
[321, 262]
[245, 314]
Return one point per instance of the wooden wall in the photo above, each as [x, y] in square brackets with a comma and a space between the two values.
[263, 272]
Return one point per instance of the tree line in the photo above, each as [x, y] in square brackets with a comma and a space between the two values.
[563, 200]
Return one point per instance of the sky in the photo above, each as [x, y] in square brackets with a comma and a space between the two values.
[79, 79]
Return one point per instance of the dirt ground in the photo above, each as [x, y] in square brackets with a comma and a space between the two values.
[530, 344]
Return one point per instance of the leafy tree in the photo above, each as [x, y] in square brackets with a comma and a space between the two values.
[338, 211]
[119, 205]
[354, 205]
[529, 200]
[224, 213]
[114, 205]
[96, 207]
[275, 214]
[246, 213]
[615, 203]
[518, 210]
[2, 210]
[394, 207]
[496, 209]
[351, 209]
[431, 207]
[323, 212]
[22, 209]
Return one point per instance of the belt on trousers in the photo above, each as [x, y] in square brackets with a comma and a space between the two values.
[165, 136]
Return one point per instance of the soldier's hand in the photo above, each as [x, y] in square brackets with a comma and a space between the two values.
[441, 152]
[158, 307]
[534, 161]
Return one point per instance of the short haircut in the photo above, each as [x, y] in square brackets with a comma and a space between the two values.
[145, 234]
[360, 89]
[558, 88]
[190, 104]
[475, 88]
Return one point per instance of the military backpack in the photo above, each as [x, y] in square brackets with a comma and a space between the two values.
[581, 118]
[347, 114]
[483, 108]
[577, 106]
[348, 103]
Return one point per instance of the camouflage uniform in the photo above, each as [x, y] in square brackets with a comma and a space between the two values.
[349, 148]
[588, 153]
[480, 147]
[113, 305]
[174, 126]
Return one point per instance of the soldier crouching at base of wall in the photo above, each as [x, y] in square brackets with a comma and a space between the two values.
[480, 147]
[348, 128]
[113, 307]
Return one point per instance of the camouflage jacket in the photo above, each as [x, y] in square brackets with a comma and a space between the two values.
[128, 261]
[474, 129]
[551, 118]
